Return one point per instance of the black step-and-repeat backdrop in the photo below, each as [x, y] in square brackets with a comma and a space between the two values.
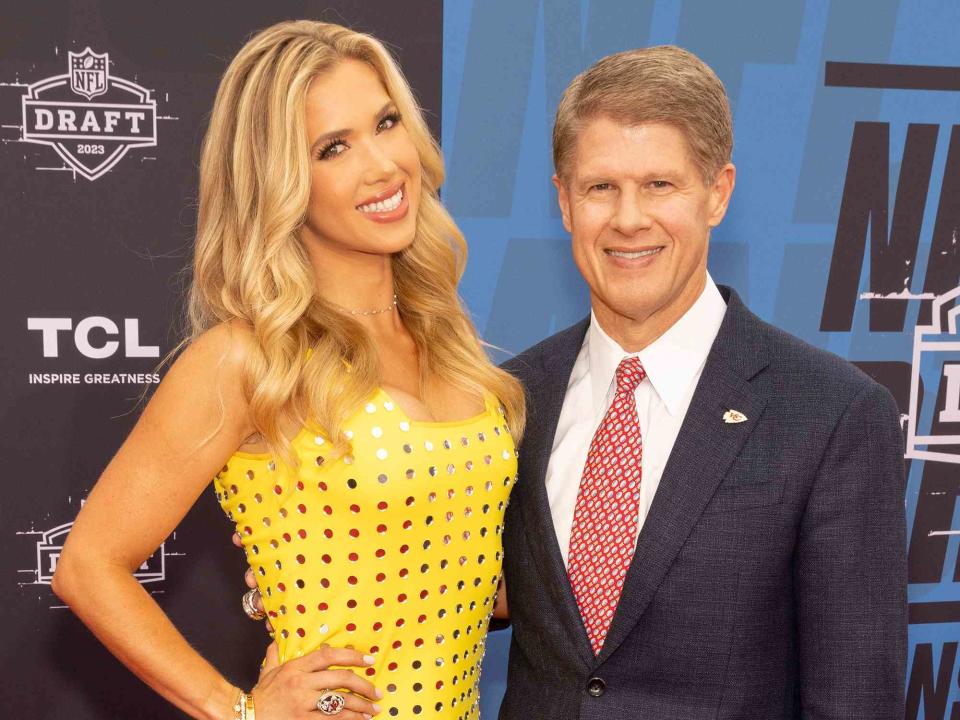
[103, 106]
[844, 229]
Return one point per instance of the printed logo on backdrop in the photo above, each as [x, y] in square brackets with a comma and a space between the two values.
[929, 384]
[90, 117]
[936, 348]
[893, 234]
[95, 338]
[48, 544]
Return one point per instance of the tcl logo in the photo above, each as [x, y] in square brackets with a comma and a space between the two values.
[92, 337]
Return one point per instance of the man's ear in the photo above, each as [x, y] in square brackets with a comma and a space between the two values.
[720, 193]
[564, 200]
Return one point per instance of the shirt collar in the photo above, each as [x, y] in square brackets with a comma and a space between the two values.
[672, 362]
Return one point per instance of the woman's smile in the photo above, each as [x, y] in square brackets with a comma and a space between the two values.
[387, 206]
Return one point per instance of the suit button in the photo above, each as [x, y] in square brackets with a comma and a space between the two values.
[596, 687]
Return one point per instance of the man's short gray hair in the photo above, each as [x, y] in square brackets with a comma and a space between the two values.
[663, 84]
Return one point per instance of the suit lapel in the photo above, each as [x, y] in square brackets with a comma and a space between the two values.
[545, 401]
[703, 452]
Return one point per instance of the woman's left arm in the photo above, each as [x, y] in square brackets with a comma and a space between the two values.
[196, 418]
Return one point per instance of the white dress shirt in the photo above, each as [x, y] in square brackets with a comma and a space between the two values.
[673, 364]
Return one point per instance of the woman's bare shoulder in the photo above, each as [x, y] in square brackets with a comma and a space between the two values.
[228, 344]
[210, 371]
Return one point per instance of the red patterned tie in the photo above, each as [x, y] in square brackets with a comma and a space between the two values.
[604, 529]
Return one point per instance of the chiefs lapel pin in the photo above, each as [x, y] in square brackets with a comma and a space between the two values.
[734, 416]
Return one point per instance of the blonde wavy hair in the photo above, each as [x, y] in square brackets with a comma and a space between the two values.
[310, 361]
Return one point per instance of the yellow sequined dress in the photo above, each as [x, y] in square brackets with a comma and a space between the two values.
[394, 549]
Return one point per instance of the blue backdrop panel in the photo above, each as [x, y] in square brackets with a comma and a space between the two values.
[843, 227]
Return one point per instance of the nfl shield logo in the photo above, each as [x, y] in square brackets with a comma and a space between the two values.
[90, 137]
[88, 73]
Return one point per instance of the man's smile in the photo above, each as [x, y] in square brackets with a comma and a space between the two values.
[633, 254]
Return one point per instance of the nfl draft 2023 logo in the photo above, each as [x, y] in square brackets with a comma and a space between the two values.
[48, 545]
[90, 136]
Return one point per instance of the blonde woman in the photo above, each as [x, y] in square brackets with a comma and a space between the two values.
[336, 391]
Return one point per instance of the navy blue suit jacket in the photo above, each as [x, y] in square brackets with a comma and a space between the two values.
[769, 578]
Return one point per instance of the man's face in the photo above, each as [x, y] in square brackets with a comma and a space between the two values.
[640, 214]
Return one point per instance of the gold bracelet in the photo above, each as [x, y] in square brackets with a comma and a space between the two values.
[240, 707]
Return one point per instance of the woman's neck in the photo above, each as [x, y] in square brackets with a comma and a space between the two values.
[357, 283]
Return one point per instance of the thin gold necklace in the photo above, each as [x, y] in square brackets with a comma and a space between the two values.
[348, 311]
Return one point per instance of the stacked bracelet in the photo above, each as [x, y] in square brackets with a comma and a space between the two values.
[243, 708]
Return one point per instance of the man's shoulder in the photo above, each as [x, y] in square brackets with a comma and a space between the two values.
[528, 365]
[811, 371]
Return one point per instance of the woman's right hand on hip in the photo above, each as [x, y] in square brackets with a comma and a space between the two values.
[291, 691]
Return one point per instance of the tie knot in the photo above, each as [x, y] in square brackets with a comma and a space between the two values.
[630, 373]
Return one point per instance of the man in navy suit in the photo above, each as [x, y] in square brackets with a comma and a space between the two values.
[709, 519]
